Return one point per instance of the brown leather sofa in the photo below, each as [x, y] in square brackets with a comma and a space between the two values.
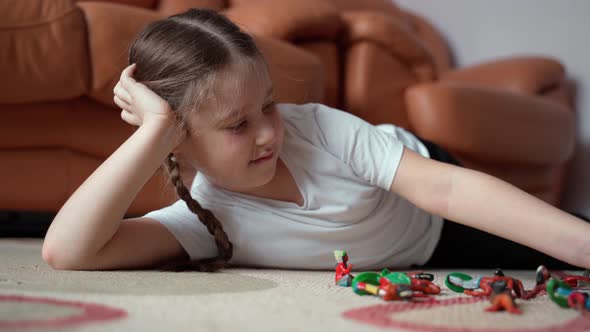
[511, 118]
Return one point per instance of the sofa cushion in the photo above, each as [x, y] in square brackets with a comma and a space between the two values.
[79, 125]
[149, 4]
[44, 53]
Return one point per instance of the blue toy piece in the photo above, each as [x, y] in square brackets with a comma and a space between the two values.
[459, 282]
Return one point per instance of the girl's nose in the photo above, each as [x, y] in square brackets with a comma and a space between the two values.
[265, 133]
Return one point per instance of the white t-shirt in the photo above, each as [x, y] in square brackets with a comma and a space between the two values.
[344, 168]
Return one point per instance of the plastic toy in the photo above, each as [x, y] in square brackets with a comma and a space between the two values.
[464, 283]
[543, 275]
[576, 281]
[502, 298]
[419, 281]
[563, 295]
[395, 285]
[343, 277]
[372, 283]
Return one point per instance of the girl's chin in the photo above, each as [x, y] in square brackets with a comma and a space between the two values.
[268, 175]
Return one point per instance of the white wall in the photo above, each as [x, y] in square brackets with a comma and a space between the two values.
[480, 30]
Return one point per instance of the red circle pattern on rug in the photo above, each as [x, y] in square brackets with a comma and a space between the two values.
[380, 315]
[90, 313]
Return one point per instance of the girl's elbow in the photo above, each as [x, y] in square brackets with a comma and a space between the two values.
[53, 261]
[55, 264]
[57, 261]
[47, 255]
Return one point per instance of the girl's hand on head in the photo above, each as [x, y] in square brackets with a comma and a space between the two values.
[139, 104]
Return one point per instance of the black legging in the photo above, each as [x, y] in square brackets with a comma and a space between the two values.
[461, 246]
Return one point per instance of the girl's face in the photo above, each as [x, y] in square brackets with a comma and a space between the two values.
[239, 126]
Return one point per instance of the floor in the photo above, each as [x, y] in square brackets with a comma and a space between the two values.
[33, 297]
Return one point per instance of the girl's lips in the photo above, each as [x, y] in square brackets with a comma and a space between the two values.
[263, 158]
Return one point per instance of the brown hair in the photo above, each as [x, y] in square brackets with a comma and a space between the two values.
[178, 58]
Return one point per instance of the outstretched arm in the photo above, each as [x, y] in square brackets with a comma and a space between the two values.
[482, 201]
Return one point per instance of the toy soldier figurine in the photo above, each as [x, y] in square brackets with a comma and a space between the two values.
[343, 277]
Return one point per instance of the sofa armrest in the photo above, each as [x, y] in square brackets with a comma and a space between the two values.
[528, 75]
[287, 20]
[490, 124]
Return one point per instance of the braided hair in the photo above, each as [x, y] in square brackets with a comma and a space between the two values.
[207, 218]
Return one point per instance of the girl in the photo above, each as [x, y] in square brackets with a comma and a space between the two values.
[284, 185]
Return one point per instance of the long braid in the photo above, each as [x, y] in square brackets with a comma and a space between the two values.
[213, 225]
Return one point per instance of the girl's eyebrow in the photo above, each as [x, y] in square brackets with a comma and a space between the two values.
[235, 113]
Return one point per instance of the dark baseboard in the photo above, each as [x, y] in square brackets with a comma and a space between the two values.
[24, 223]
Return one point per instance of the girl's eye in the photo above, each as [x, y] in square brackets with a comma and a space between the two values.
[238, 127]
[267, 109]
[269, 106]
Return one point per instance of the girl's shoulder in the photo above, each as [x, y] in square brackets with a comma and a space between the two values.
[311, 113]
[316, 110]
[299, 119]
[321, 118]
[320, 125]
[293, 109]
[289, 110]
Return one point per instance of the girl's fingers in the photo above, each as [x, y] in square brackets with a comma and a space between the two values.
[122, 94]
[128, 72]
[122, 104]
[127, 80]
[130, 118]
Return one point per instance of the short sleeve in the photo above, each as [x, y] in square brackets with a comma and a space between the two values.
[371, 153]
[188, 230]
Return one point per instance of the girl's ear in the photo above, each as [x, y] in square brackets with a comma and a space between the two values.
[185, 167]
[181, 147]
[183, 137]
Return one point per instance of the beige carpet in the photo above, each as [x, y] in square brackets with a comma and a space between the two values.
[33, 297]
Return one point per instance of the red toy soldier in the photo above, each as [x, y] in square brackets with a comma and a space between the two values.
[343, 277]
[502, 298]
